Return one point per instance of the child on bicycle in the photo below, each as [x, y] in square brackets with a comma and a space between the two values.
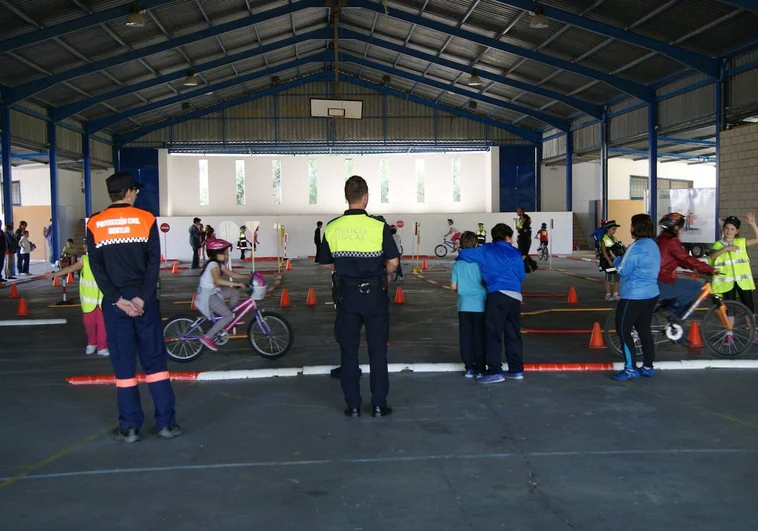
[213, 289]
[455, 235]
[467, 281]
[542, 237]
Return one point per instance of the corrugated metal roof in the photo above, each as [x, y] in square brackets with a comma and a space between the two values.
[682, 18]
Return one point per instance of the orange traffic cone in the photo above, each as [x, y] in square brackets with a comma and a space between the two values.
[674, 274]
[572, 298]
[289, 265]
[693, 337]
[175, 269]
[423, 264]
[285, 302]
[192, 304]
[14, 292]
[57, 282]
[694, 276]
[399, 297]
[70, 278]
[596, 339]
[23, 311]
[163, 258]
[311, 300]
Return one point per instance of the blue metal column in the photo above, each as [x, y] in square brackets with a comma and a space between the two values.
[538, 177]
[652, 137]
[569, 171]
[5, 122]
[116, 159]
[86, 161]
[720, 126]
[52, 140]
[604, 166]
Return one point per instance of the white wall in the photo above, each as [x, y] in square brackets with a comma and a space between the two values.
[179, 181]
[100, 199]
[70, 204]
[35, 184]
[621, 169]
[300, 230]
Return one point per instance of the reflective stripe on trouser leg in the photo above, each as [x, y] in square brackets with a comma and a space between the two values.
[154, 359]
[121, 341]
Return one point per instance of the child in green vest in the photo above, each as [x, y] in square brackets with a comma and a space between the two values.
[91, 299]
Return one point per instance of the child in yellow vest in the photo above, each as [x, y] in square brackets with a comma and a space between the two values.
[91, 299]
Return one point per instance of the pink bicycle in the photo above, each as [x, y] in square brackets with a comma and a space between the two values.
[268, 333]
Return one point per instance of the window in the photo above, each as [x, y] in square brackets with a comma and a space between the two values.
[456, 180]
[312, 182]
[277, 169]
[204, 193]
[349, 166]
[384, 180]
[16, 193]
[639, 185]
[240, 181]
[419, 180]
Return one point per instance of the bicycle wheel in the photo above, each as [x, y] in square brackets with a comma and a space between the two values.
[182, 337]
[723, 342]
[613, 340]
[440, 251]
[270, 335]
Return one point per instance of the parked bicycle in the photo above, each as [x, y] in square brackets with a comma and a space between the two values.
[268, 333]
[445, 247]
[727, 329]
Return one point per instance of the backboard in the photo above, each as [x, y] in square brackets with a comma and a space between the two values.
[326, 108]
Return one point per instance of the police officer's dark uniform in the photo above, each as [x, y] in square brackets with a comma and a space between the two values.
[358, 244]
[124, 254]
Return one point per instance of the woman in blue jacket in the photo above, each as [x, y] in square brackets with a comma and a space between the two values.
[638, 269]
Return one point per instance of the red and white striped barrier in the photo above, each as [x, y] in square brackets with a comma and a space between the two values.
[207, 376]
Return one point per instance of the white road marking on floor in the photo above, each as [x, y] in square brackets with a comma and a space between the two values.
[32, 322]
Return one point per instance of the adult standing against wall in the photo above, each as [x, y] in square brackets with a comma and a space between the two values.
[22, 226]
[355, 247]
[195, 243]
[3, 247]
[524, 240]
[318, 237]
[11, 244]
[47, 232]
[124, 249]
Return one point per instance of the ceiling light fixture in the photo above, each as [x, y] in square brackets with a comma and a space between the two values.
[474, 80]
[191, 79]
[276, 81]
[185, 106]
[539, 20]
[135, 19]
[472, 105]
[385, 80]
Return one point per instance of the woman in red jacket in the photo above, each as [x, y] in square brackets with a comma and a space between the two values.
[680, 291]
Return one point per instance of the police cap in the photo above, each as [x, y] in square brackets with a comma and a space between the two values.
[121, 181]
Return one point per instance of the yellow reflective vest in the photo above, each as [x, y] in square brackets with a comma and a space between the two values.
[90, 295]
[733, 266]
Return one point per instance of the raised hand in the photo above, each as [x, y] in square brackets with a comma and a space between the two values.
[750, 218]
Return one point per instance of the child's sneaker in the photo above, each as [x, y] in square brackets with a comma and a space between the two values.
[479, 375]
[91, 349]
[616, 297]
[104, 353]
[647, 372]
[491, 378]
[608, 297]
[627, 374]
[514, 375]
[468, 374]
[208, 343]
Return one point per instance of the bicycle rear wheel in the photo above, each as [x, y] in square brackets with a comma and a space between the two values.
[440, 251]
[270, 335]
[182, 337]
[613, 340]
[723, 342]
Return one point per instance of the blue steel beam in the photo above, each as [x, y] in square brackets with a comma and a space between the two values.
[555, 121]
[87, 167]
[694, 141]
[26, 90]
[663, 154]
[652, 138]
[750, 5]
[52, 139]
[65, 111]
[129, 136]
[632, 88]
[596, 111]
[77, 24]
[569, 171]
[102, 123]
[5, 147]
[530, 136]
[26, 156]
[696, 61]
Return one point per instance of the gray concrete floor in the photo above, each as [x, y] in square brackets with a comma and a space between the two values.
[556, 451]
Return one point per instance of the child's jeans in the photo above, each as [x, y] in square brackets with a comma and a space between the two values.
[503, 319]
[220, 308]
[471, 331]
[23, 263]
[95, 328]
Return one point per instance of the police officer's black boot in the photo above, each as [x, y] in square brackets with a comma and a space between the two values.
[353, 412]
[377, 411]
[335, 373]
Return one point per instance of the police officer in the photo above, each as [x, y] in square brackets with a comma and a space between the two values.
[524, 240]
[355, 247]
[124, 250]
[481, 235]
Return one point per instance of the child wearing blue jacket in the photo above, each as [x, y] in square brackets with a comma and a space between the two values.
[639, 292]
[467, 281]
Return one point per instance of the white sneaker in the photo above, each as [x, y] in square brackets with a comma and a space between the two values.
[616, 297]
[608, 297]
[104, 353]
[91, 349]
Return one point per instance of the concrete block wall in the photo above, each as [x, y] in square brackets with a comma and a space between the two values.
[738, 168]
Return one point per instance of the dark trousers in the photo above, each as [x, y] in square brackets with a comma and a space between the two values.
[742, 295]
[354, 311]
[242, 253]
[318, 249]
[503, 318]
[2, 262]
[524, 244]
[681, 294]
[195, 257]
[23, 263]
[638, 315]
[129, 337]
[471, 334]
